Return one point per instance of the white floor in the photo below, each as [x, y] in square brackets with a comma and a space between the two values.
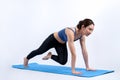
[16, 74]
[33, 75]
[9, 73]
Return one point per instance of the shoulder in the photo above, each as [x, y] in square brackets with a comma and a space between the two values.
[83, 38]
[69, 34]
[68, 31]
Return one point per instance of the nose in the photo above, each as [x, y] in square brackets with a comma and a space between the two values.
[89, 33]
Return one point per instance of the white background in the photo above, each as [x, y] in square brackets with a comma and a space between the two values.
[24, 24]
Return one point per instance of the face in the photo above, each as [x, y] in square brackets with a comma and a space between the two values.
[88, 30]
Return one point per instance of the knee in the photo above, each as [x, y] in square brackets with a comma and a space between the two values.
[63, 62]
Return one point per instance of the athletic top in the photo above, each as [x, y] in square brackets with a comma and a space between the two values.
[63, 35]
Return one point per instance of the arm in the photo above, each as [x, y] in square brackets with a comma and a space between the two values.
[84, 53]
[70, 37]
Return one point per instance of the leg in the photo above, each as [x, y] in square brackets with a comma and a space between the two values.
[62, 56]
[46, 45]
[48, 56]
[25, 62]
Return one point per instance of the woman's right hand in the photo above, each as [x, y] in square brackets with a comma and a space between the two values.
[75, 72]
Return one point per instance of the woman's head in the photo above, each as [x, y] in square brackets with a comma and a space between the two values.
[86, 22]
[86, 26]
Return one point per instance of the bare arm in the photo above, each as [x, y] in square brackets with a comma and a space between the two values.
[70, 36]
[85, 53]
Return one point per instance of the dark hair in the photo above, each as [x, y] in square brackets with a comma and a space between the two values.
[86, 22]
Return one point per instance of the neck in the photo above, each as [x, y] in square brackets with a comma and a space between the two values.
[78, 31]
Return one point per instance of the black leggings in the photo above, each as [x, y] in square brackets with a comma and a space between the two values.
[51, 42]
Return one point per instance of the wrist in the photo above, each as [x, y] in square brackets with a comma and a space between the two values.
[87, 67]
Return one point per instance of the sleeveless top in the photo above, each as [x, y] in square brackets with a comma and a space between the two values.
[62, 35]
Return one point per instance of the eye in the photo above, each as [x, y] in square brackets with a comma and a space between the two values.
[90, 29]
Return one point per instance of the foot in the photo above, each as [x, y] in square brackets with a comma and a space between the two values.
[48, 56]
[25, 62]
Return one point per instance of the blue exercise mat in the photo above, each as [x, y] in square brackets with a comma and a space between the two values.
[61, 70]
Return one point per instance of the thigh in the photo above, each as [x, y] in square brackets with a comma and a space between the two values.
[61, 50]
[47, 44]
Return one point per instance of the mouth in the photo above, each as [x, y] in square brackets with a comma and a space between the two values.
[87, 34]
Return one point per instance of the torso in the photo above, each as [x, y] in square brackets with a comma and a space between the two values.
[58, 38]
[76, 37]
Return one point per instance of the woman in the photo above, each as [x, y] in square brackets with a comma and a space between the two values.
[58, 41]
